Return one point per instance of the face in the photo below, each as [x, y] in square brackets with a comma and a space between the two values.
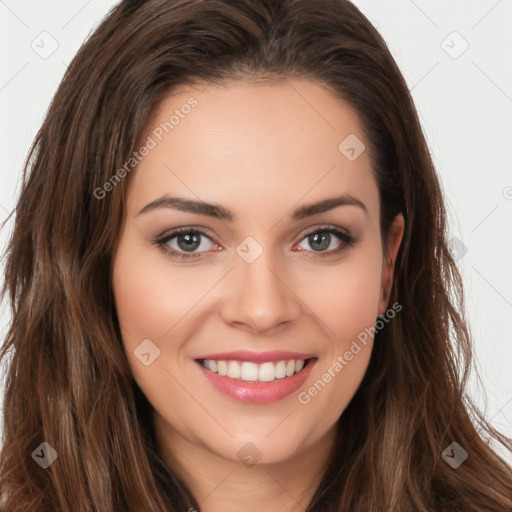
[248, 315]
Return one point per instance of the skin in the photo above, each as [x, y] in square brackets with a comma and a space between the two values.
[262, 151]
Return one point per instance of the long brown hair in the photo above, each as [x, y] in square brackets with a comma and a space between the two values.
[68, 381]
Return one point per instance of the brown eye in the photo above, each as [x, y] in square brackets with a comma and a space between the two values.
[320, 240]
[184, 242]
[188, 241]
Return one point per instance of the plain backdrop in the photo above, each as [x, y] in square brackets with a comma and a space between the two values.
[455, 56]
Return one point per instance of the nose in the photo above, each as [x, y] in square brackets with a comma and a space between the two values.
[261, 296]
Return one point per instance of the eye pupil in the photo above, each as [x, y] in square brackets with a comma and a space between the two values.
[321, 239]
[191, 241]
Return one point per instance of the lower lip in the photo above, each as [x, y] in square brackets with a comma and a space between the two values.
[258, 392]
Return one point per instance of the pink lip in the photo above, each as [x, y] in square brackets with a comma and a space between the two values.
[258, 392]
[256, 357]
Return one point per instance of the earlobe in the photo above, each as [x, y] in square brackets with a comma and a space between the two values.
[393, 242]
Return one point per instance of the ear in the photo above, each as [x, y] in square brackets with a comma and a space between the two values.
[393, 241]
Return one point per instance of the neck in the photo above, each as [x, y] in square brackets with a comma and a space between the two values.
[221, 484]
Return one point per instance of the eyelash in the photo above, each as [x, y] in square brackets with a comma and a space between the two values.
[347, 241]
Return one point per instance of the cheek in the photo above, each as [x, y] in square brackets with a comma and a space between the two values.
[346, 298]
[148, 305]
[151, 299]
[138, 297]
[335, 384]
[346, 301]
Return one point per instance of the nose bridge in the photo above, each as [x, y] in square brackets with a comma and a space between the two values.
[259, 296]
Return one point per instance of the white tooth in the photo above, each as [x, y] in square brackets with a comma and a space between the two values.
[281, 370]
[233, 369]
[222, 368]
[249, 371]
[267, 372]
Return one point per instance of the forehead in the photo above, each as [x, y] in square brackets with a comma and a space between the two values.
[251, 142]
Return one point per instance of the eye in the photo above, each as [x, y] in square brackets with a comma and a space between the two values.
[322, 239]
[183, 242]
[188, 242]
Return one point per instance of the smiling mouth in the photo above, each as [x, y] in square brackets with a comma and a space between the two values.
[252, 372]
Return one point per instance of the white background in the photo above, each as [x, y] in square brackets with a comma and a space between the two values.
[465, 105]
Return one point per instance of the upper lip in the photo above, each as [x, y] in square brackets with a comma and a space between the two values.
[256, 357]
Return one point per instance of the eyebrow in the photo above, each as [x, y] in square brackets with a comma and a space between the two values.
[220, 212]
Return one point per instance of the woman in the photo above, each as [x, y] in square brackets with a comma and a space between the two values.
[230, 282]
